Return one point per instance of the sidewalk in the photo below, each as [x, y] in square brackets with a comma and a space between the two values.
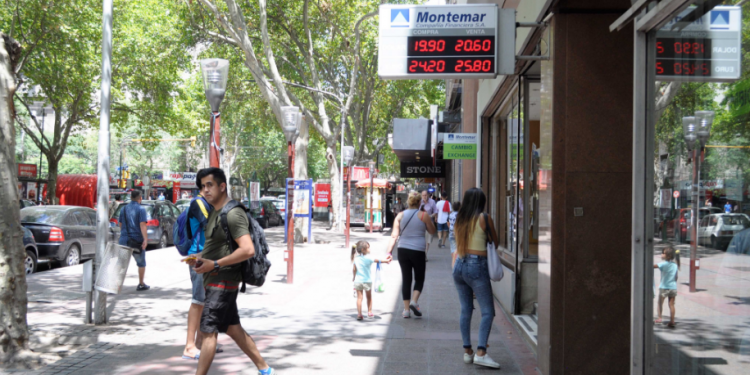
[305, 328]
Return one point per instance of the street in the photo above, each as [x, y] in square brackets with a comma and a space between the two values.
[309, 327]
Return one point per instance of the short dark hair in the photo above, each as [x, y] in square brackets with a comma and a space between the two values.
[444, 195]
[218, 174]
[135, 194]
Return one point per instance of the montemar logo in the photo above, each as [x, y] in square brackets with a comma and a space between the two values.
[426, 17]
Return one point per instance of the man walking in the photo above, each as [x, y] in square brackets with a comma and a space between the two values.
[133, 233]
[428, 205]
[398, 207]
[197, 218]
[443, 211]
[222, 274]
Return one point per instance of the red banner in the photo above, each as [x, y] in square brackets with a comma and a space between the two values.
[322, 195]
[27, 170]
[358, 174]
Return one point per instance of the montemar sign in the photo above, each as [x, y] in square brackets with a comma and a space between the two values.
[460, 146]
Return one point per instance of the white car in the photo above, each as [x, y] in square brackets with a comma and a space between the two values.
[717, 230]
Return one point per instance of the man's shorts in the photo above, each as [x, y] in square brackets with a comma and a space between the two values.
[442, 227]
[199, 291]
[363, 286]
[668, 293]
[140, 259]
[220, 308]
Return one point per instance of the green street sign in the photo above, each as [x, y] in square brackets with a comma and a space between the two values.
[460, 151]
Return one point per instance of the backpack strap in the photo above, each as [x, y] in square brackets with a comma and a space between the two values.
[225, 225]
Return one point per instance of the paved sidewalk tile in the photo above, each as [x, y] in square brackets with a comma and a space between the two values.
[308, 327]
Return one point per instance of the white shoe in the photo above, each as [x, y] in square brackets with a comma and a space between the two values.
[406, 314]
[485, 361]
[468, 358]
[416, 310]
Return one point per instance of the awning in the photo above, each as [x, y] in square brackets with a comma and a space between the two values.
[378, 182]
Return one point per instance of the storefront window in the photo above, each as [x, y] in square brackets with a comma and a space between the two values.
[515, 159]
[701, 175]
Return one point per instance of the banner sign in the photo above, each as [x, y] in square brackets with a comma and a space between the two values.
[302, 203]
[27, 170]
[322, 195]
[358, 173]
[460, 146]
[254, 191]
[420, 170]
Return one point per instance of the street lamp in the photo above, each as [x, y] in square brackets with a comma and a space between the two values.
[348, 152]
[371, 164]
[696, 130]
[215, 73]
[37, 108]
[291, 121]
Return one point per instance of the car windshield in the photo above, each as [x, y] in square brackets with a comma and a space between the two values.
[736, 220]
[279, 205]
[42, 216]
[149, 211]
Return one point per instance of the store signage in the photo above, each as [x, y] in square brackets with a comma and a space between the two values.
[445, 41]
[322, 195]
[676, 194]
[460, 146]
[707, 49]
[358, 173]
[302, 190]
[419, 170]
[27, 170]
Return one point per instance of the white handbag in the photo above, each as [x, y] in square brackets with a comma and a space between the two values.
[493, 259]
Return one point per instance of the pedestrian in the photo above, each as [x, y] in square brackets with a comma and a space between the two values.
[197, 217]
[330, 215]
[728, 207]
[409, 237]
[161, 196]
[398, 207]
[428, 205]
[222, 274]
[473, 230]
[443, 211]
[362, 262]
[134, 233]
[452, 224]
[668, 284]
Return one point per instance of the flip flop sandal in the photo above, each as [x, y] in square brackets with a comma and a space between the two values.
[370, 315]
[197, 357]
[360, 317]
[657, 321]
[671, 325]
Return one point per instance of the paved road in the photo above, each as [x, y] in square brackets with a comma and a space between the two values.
[305, 328]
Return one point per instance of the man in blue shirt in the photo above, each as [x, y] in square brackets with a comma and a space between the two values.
[133, 231]
[728, 207]
[197, 218]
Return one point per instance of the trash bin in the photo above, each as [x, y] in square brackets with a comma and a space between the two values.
[111, 273]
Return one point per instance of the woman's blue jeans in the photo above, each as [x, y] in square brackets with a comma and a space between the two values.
[472, 277]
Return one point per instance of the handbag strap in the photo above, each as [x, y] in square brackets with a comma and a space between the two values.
[405, 225]
[486, 229]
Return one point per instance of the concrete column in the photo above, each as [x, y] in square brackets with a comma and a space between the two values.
[469, 125]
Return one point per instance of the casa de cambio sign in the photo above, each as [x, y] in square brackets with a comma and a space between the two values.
[460, 146]
[445, 41]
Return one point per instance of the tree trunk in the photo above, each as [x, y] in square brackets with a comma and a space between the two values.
[14, 332]
[52, 164]
[300, 173]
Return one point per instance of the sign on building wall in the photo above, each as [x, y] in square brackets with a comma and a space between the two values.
[420, 170]
[27, 170]
[706, 49]
[445, 41]
[322, 195]
[460, 146]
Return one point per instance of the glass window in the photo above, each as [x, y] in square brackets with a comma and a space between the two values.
[42, 215]
[82, 218]
[514, 124]
[698, 318]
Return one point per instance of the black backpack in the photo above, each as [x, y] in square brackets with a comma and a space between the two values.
[254, 269]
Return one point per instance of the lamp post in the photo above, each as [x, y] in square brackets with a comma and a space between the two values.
[292, 118]
[696, 131]
[215, 73]
[348, 152]
[39, 107]
[372, 190]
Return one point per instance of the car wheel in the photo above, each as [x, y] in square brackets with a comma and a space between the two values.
[163, 241]
[30, 262]
[72, 257]
[714, 242]
[264, 223]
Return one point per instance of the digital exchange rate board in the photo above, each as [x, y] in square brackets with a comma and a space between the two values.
[707, 49]
[437, 42]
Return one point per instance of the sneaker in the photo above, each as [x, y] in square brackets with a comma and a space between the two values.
[485, 361]
[468, 358]
[415, 309]
[268, 371]
[406, 314]
[142, 287]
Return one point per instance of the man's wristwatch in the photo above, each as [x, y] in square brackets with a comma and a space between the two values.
[216, 265]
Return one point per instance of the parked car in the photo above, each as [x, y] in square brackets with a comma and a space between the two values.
[679, 226]
[32, 254]
[718, 230]
[281, 207]
[267, 215]
[161, 216]
[62, 233]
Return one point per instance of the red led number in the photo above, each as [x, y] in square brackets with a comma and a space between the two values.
[413, 66]
[474, 45]
[659, 68]
[659, 48]
[471, 66]
[429, 46]
[688, 48]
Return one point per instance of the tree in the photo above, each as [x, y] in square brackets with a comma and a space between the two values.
[60, 65]
[14, 332]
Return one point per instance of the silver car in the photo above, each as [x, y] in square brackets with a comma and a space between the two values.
[717, 230]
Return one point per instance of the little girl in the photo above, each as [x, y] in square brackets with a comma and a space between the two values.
[668, 284]
[361, 275]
